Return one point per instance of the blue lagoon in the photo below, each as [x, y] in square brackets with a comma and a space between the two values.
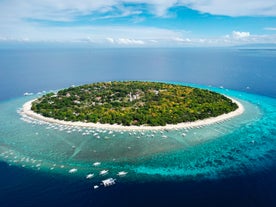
[221, 149]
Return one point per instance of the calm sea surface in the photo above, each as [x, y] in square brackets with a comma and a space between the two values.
[36, 70]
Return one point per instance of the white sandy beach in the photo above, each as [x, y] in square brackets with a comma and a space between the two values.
[26, 110]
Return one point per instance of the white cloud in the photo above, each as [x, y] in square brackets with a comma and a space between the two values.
[126, 41]
[180, 39]
[233, 7]
[123, 12]
[110, 39]
[67, 10]
[94, 34]
[239, 38]
[127, 36]
[270, 28]
[15, 21]
[240, 35]
[161, 6]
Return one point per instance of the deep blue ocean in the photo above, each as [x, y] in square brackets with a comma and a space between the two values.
[35, 70]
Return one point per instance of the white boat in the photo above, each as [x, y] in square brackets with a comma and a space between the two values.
[96, 186]
[28, 94]
[73, 170]
[96, 164]
[103, 172]
[108, 182]
[122, 173]
[89, 176]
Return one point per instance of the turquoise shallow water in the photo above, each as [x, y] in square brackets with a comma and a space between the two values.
[244, 144]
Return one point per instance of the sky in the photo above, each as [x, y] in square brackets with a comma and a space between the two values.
[139, 23]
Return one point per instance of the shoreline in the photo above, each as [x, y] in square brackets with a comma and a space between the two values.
[26, 110]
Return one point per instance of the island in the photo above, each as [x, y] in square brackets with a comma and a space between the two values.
[132, 103]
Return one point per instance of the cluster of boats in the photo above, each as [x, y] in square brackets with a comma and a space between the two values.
[98, 132]
[106, 182]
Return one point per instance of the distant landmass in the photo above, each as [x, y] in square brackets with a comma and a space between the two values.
[133, 103]
[257, 46]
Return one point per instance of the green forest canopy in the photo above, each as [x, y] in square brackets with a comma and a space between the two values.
[133, 103]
